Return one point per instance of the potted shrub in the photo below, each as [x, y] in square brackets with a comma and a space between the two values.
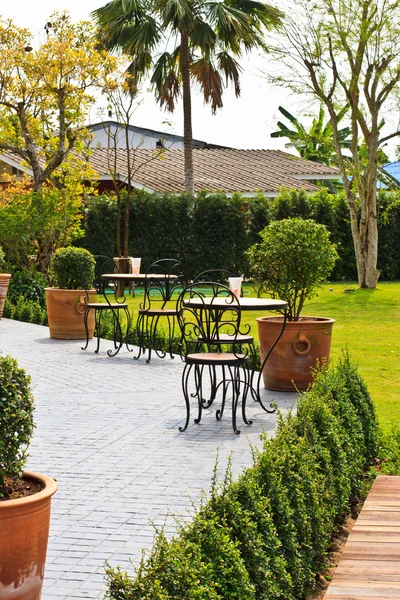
[73, 271]
[25, 497]
[4, 281]
[294, 257]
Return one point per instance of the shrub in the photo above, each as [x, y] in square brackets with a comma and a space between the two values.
[293, 259]
[2, 260]
[28, 311]
[16, 420]
[73, 268]
[265, 535]
[28, 284]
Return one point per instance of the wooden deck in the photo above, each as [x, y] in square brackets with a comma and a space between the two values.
[369, 568]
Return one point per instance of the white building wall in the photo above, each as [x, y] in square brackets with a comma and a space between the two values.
[112, 136]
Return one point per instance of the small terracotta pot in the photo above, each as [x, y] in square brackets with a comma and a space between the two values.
[65, 309]
[303, 344]
[4, 281]
[24, 532]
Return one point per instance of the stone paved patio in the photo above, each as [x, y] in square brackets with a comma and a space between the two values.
[107, 430]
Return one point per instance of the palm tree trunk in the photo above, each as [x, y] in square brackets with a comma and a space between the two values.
[187, 114]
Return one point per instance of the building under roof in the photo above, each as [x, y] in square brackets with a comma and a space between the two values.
[227, 170]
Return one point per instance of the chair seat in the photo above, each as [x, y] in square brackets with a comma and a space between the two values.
[105, 305]
[225, 338]
[217, 358]
[169, 312]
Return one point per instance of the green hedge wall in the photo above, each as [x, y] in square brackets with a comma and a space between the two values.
[264, 536]
[213, 231]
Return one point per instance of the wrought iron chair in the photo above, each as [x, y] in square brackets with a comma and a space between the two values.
[206, 322]
[105, 264]
[221, 276]
[212, 276]
[164, 279]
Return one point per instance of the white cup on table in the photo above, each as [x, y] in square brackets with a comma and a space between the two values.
[235, 285]
[135, 262]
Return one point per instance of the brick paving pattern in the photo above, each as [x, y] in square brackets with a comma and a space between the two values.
[107, 431]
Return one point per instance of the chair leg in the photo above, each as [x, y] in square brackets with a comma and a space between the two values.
[171, 333]
[248, 382]
[128, 329]
[185, 379]
[199, 391]
[98, 315]
[117, 330]
[235, 378]
[140, 324]
[85, 321]
[225, 386]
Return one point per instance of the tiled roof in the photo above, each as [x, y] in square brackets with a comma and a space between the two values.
[229, 170]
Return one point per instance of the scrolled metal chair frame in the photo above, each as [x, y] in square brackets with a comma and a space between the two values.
[157, 293]
[207, 324]
[104, 264]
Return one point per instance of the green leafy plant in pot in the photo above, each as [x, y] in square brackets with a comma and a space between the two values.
[73, 271]
[294, 257]
[4, 281]
[25, 497]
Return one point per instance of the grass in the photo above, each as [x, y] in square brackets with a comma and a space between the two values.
[368, 324]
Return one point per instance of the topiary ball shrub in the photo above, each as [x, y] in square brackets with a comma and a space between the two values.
[294, 257]
[16, 420]
[73, 268]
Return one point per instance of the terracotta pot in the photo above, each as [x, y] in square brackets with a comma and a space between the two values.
[4, 281]
[303, 344]
[24, 531]
[65, 310]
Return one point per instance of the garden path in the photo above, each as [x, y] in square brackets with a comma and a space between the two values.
[107, 430]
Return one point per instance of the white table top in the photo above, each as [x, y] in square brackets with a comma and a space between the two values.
[137, 276]
[245, 302]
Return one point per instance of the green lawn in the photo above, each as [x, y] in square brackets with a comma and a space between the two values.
[368, 323]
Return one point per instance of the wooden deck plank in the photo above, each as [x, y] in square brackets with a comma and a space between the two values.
[370, 564]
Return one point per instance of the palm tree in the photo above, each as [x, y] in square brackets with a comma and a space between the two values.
[202, 41]
[317, 143]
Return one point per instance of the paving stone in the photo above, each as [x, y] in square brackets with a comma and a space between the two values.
[107, 430]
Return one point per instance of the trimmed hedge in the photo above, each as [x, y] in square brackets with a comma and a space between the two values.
[212, 230]
[264, 536]
[28, 311]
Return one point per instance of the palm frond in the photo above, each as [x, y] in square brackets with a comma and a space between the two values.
[166, 79]
[210, 82]
[268, 16]
[176, 13]
[203, 36]
[231, 69]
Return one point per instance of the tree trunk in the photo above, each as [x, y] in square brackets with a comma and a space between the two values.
[118, 232]
[187, 114]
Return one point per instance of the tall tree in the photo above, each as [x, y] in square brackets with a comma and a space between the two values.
[202, 39]
[45, 94]
[348, 52]
[315, 143]
[123, 101]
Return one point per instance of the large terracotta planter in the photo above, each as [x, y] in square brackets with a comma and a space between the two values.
[24, 531]
[303, 344]
[65, 309]
[4, 281]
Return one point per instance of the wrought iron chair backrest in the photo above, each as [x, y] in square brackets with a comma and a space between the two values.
[207, 318]
[212, 276]
[164, 279]
[107, 289]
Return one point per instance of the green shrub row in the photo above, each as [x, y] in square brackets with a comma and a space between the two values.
[22, 309]
[214, 231]
[264, 536]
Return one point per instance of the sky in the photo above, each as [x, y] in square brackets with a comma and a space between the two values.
[246, 122]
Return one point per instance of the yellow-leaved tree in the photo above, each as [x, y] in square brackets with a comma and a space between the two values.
[46, 91]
